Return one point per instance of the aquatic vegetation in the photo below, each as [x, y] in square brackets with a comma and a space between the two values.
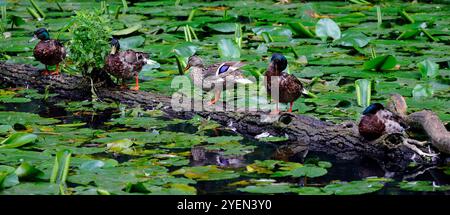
[348, 54]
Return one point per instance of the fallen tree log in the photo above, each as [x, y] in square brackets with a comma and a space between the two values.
[341, 140]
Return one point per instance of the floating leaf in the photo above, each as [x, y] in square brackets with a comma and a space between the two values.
[309, 171]
[328, 28]
[28, 171]
[131, 42]
[301, 30]
[206, 173]
[428, 68]
[223, 27]
[228, 49]
[311, 191]
[385, 62]
[127, 31]
[17, 140]
[356, 39]
[273, 139]
[353, 187]
[121, 146]
[422, 186]
[268, 188]
[422, 91]
[8, 177]
[224, 139]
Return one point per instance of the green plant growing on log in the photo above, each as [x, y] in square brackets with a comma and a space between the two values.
[90, 42]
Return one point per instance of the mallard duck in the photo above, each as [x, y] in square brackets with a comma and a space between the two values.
[125, 64]
[210, 77]
[377, 121]
[48, 51]
[289, 87]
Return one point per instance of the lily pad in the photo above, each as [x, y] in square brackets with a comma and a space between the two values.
[206, 173]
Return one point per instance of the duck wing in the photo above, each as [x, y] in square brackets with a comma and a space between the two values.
[290, 88]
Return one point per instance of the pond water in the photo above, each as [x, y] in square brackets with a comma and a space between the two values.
[116, 149]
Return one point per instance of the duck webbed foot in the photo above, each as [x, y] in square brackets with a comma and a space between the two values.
[412, 144]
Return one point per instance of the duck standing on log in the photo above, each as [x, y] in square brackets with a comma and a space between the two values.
[289, 87]
[48, 51]
[125, 64]
[210, 77]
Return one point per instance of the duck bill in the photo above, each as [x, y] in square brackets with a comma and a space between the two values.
[33, 39]
[186, 68]
[113, 50]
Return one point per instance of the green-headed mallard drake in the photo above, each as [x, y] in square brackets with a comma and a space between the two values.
[289, 87]
[210, 77]
[125, 64]
[48, 51]
[377, 121]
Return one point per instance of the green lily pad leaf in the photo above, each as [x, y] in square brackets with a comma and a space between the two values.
[363, 92]
[206, 173]
[263, 167]
[428, 68]
[143, 122]
[223, 27]
[131, 42]
[309, 171]
[422, 91]
[16, 20]
[95, 164]
[17, 140]
[33, 188]
[8, 177]
[327, 28]
[4, 129]
[172, 189]
[311, 191]
[231, 148]
[385, 62]
[127, 31]
[353, 39]
[273, 139]
[120, 146]
[11, 97]
[224, 139]
[301, 30]
[324, 164]
[268, 188]
[422, 186]
[11, 118]
[28, 171]
[353, 187]
[228, 49]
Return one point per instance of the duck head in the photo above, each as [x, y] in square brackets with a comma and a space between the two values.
[373, 109]
[278, 62]
[41, 34]
[194, 61]
[115, 45]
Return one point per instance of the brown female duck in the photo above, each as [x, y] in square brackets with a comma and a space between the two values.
[125, 64]
[210, 77]
[288, 86]
[48, 51]
[377, 121]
